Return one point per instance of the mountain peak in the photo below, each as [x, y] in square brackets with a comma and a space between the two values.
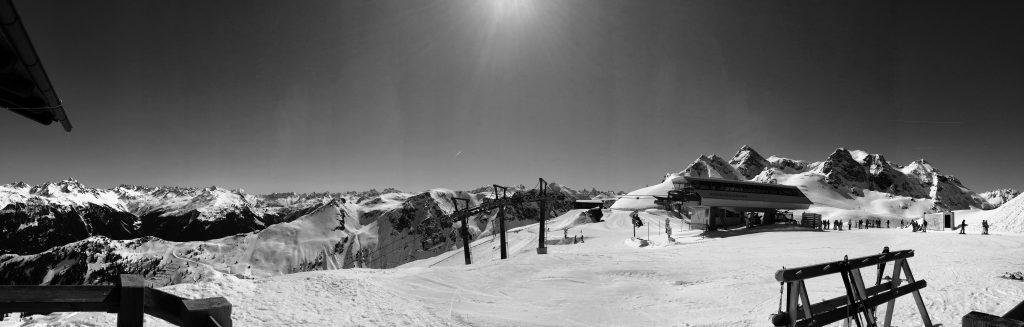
[748, 162]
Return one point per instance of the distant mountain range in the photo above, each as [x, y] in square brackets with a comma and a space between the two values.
[66, 233]
[847, 183]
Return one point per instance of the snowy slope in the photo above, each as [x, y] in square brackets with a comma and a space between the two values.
[644, 198]
[385, 231]
[1009, 217]
[998, 197]
[607, 281]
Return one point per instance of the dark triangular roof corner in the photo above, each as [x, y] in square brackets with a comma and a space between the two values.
[25, 88]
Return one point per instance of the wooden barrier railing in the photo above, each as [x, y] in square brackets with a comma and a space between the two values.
[130, 299]
[1012, 318]
[860, 301]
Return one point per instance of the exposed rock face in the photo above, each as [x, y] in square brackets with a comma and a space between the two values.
[33, 228]
[840, 169]
[385, 231]
[996, 198]
[748, 162]
[853, 172]
[711, 167]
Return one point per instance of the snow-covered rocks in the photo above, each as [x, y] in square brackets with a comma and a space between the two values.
[845, 180]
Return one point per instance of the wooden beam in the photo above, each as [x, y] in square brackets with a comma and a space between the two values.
[806, 299]
[917, 296]
[842, 312]
[792, 291]
[978, 319]
[858, 283]
[799, 273]
[200, 311]
[165, 306]
[20, 298]
[833, 303]
[130, 311]
[1016, 313]
[894, 283]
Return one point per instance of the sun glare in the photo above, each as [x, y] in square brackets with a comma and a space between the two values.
[513, 11]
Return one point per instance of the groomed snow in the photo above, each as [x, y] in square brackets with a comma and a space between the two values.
[609, 281]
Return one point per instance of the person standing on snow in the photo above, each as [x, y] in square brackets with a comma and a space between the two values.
[963, 227]
[924, 227]
[984, 227]
[636, 221]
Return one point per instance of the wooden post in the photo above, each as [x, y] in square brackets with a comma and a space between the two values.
[917, 297]
[860, 290]
[214, 311]
[897, 267]
[792, 290]
[805, 299]
[130, 311]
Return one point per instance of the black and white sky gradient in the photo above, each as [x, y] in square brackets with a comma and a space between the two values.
[347, 95]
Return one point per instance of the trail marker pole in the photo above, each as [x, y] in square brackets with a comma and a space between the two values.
[464, 229]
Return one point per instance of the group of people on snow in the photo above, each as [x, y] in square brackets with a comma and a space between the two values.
[861, 224]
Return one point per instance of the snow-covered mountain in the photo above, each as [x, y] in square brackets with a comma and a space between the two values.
[328, 231]
[36, 218]
[1009, 217]
[845, 183]
[998, 197]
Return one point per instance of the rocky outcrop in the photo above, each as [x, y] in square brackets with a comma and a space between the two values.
[853, 172]
[748, 163]
[841, 170]
[711, 167]
[997, 198]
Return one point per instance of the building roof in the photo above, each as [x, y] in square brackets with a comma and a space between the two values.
[684, 179]
[25, 88]
[757, 197]
[752, 200]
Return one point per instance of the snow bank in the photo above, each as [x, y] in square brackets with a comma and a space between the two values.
[642, 198]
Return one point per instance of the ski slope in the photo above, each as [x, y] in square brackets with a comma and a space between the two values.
[609, 281]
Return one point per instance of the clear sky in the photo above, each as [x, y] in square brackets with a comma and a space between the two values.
[349, 95]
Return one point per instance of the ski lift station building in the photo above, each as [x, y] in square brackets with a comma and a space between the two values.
[712, 202]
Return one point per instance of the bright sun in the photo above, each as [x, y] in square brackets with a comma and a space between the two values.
[513, 10]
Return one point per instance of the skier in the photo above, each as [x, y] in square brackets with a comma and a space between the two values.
[963, 227]
[984, 227]
[924, 227]
[849, 225]
[886, 224]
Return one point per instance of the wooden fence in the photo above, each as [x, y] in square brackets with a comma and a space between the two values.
[130, 299]
[860, 301]
[1012, 318]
